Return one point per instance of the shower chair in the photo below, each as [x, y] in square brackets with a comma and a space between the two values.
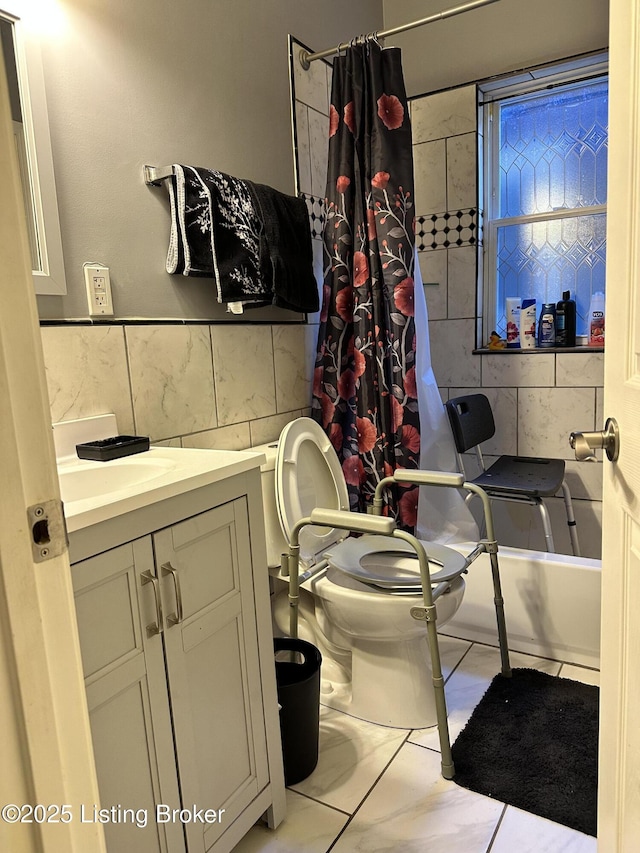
[521, 479]
[375, 523]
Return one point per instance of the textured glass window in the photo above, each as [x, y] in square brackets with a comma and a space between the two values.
[547, 214]
[553, 151]
[540, 260]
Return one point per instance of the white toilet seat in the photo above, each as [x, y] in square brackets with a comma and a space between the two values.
[392, 564]
[309, 475]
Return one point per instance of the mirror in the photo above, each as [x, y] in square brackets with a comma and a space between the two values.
[23, 67]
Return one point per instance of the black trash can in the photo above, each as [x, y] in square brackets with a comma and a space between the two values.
[298, 680]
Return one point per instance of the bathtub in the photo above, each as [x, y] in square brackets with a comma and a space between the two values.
[551, 601]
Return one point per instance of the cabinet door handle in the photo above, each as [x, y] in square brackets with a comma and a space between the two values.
[155, 627]
[177, 617]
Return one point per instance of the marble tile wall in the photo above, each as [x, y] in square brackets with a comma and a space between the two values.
[191, 385]
[311, 93]
[537, 398]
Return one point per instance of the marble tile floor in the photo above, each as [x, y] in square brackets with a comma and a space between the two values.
[379, 790]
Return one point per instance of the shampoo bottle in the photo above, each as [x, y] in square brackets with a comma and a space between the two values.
[596, 320]
[513, 322]
[566, 321]
[547, 325]
[528, 324]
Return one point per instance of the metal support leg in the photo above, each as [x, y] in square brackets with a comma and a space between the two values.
[437, 679]
[429, 616]
[571, 520]
[499, 605]
[491, 546]
[448, 770]
[546, 524]
[294, 593]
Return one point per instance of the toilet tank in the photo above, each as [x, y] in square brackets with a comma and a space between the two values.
[276, 543]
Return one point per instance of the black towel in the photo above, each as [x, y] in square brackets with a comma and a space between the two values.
[285, 248]
[216, 233]
[254, 240]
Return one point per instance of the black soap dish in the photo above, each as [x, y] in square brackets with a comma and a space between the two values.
[112, 448]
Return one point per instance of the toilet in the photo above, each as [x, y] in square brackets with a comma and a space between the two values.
[356, 593]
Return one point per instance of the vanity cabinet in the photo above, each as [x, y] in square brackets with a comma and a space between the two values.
[178, 662]
[129, 713]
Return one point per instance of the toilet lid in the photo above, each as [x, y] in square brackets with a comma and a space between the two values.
[392, 564]
[309, 475]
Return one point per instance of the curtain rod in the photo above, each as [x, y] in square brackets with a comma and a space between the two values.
[307, 58]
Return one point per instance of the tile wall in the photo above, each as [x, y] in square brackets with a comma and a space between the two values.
[538, 398]
[227, 386]
[311, 92]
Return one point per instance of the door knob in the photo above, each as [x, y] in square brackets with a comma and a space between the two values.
[608, 439]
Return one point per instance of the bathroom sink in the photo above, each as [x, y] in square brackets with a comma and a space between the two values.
[93, 492]
[92, 480]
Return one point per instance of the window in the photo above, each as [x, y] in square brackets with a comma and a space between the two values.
[545, 188]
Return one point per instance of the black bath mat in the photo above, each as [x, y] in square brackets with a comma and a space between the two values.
[532, 742]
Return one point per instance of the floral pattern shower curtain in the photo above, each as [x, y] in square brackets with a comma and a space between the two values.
[365, 392]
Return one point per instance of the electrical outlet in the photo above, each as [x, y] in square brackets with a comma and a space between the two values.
[98, 284]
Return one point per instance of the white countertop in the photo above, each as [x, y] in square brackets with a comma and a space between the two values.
[97, 491]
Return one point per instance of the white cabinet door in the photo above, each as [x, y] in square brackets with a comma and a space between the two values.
[213, 667]
[127, 697]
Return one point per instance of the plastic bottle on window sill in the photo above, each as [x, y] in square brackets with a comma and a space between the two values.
[596, 320]
[513, 322]
[528, 324]
[566, 321]
[547, 325]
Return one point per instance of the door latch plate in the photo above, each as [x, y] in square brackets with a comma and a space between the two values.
[48, 530]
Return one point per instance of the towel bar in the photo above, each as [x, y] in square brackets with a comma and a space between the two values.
[154, 175]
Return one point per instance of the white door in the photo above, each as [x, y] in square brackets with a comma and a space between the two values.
[619, 784]
[46, 753]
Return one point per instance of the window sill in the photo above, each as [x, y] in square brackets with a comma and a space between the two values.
[535, 351]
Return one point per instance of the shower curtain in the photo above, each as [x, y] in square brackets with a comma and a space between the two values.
[369, 363]
[365, 392]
